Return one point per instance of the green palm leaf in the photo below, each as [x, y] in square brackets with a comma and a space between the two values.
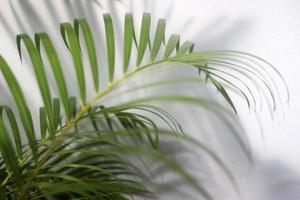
[129, 37]
[144, 37]
[43, 38]
[110, 42]
[91, 150]
[89, 41]
[71, 41]
[20, 101]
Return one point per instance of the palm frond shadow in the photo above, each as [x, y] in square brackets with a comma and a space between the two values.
[4, 23]
[275, 181]
[87, 148]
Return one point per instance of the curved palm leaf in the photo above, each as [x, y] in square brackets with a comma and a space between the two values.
[90, 150]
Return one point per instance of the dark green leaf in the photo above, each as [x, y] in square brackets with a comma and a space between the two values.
[70, 38]
[15, 129]
[91, 50]
[56, 113]
[56, 68]
[40, 73]
[20, 101]
[43, 123]
[7, 150]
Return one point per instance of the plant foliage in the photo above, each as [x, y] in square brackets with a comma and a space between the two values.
[82, 149]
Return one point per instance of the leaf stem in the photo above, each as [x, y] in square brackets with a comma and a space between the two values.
[70, 124]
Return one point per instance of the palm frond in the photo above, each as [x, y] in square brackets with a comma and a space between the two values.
[90, 150]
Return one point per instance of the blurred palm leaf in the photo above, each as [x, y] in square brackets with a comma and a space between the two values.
[90, 151]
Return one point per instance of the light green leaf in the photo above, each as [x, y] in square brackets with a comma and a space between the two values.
[186, 47]
[129, 36]
[172, 44]
[224, 93]
[159, 38]
[144, 37]
[110, 43]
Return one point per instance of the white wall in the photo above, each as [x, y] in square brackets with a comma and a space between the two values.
[267, 28]
[270, 29]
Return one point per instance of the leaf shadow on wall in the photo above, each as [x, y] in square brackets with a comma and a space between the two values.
[32, 19]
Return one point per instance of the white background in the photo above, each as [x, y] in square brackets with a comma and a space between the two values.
[267, 28]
